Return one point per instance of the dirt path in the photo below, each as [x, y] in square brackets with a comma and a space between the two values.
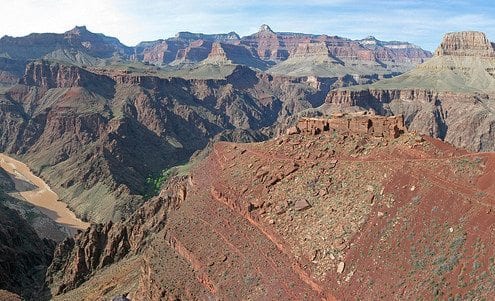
[36, 192]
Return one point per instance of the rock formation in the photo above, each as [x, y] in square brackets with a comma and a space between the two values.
[354, 123]
[245, 225]
[77, 259]
[24, 257]
[467, 43]
[234, 54]
[447, 97]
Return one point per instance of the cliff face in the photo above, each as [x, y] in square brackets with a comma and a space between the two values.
[195, 52]
[311, 49]
[48, 75]
[458, 118]
[467, 43]
[234, 54]
[77, 259]
[24, 257]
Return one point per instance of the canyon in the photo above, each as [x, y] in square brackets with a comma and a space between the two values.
[271, 166]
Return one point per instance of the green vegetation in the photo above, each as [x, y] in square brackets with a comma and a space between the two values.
[153, 184]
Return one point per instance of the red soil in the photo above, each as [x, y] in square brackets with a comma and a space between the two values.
[393, 219]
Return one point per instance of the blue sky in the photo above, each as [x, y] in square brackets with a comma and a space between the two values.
[132, 21]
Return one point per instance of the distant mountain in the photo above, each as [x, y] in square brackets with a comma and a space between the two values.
[188, 51]
[449, 96]
[362, 57]
[77, 46]
[74, 44]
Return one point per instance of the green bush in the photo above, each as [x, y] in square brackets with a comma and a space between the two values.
[153, 185]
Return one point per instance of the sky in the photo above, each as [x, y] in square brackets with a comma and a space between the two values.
[132, 21]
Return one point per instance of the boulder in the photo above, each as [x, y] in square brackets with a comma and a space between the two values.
[301, 204]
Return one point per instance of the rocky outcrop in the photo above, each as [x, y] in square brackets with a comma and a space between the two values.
[158, 52]
[267, 44]
[234, 54]
[361, 123]
[311, 49]
[76, 259]
[24, 257]
[466, 43]
[245, 228]
[196, 51]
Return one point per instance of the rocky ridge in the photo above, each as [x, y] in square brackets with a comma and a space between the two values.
[373, 190]
[467, 43]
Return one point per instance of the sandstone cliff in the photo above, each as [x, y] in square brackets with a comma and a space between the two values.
[48, 75]
[467, 43]
[234, 54]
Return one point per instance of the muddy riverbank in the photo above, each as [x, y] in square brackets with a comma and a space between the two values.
[35, 191]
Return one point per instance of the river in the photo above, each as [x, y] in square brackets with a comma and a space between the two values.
[35, 191]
